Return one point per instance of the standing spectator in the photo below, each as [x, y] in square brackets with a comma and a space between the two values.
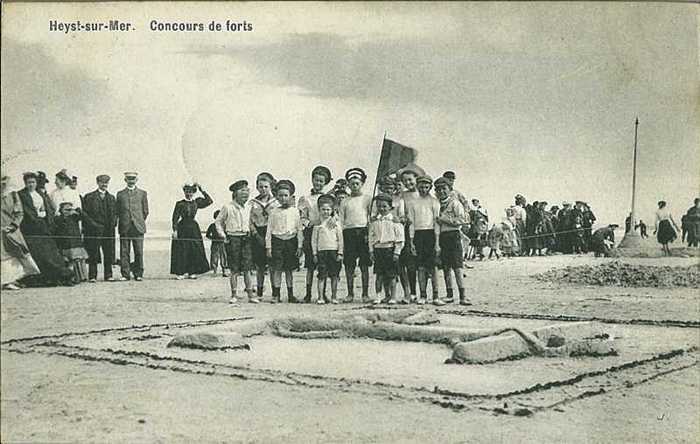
[564, 226]
[310, 217]
[233, 225]
[588, 221]
[642, 229]
[452, 217]
[187, 257]
[424, 234]
[41, 181]
[283, 241]
[260, 208]
[354, 218]
[479, 228]
[385, 243]
[64, 193]
[451, 178]
[218, 248]
[16, 262]
[327, 247]
[520, 214]
[132, 212]
[693, 222]
[665, 232]
[99, 222]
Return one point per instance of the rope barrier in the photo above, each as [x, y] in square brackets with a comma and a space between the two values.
[552, 234]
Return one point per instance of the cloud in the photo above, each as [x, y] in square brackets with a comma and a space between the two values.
[43, 97]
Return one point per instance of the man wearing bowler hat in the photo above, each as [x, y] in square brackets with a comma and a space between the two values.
[99, 221]
[132, 211]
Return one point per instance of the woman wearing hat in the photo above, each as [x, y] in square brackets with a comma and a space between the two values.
[15, 260]
[36, 227]
[188, 258]
[64, 193]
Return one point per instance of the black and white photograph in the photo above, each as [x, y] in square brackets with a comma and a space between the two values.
[362, 222]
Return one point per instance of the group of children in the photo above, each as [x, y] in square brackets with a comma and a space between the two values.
[405, 232]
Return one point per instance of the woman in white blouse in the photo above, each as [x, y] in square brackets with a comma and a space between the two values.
[665, 232]
[63, 191]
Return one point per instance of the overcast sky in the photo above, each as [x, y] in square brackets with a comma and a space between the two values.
[530, 98]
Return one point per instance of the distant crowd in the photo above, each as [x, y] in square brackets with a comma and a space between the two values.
[406, 231]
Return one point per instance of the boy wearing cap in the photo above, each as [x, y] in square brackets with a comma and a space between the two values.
[283, 241]
[233, 224]
[386, 239]
[407, 261]
[310, 217]
[99, 222]
[354, 215]
[132, 211]
[260, 209]
[452, 217]
[424, 233]
[327, 247]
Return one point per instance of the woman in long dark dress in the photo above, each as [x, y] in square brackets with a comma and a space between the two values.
[36, 229]
[665, 232]
[188, 258]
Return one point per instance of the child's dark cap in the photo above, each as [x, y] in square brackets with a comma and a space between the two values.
[321, 170]
[237, 185]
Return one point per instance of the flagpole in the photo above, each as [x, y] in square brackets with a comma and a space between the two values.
[632, 241]
[376, 181]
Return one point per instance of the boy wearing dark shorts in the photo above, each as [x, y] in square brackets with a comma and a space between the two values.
[425, 237]
[283, 241]
[233, 224]
[260, 208]
[452, 217]
[407, 261]
[327, 246]
[354, 217]
[309, 211]
[385, 243]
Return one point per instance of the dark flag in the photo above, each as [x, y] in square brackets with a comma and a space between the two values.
[394, 157]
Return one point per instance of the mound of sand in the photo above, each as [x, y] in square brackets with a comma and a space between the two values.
[619, 274]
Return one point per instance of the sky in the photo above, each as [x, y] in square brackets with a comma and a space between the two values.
[531, 98]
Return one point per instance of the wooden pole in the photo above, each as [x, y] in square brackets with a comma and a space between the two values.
[633, 215]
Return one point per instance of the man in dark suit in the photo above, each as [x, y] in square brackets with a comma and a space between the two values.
[132, 211]
[99, 221]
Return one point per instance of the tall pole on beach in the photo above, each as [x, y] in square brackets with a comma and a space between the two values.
[632, 240]
[633, 215]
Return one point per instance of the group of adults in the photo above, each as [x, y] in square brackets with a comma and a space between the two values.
[31, 244]
[539, 230]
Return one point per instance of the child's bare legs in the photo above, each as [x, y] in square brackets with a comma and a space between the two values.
[310, 283]
[422, 284]
[459, 279]
[319, 290]
[233, 281]
[403, 279]
[364, 272]
[389, 284]
[289, 280]
[434, 286]
[260, 277]
[276, 279]
[334, 289]
[448, 284]
[350, 279]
